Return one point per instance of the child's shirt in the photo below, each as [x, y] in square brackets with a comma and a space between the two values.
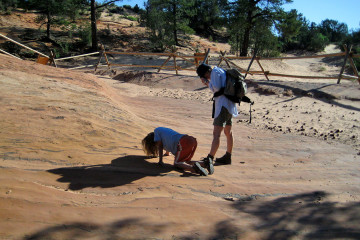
[168, 137]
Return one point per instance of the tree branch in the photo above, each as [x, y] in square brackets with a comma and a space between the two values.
[107, 3]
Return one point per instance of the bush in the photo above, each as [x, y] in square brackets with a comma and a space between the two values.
[131, 18]
[356, 50]
[318, 42]
[127, 7]
[11, 48]
[85, 35]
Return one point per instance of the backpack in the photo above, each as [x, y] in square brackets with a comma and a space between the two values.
[235, 88]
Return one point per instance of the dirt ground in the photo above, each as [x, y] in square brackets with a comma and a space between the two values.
[72, 167]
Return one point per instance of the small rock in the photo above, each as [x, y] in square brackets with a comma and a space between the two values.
[229, 199]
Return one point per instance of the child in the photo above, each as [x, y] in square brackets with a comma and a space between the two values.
[180, 145]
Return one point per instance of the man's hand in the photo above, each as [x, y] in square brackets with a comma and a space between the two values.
[205, 81]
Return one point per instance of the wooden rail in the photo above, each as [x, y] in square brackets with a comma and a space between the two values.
[77, 56]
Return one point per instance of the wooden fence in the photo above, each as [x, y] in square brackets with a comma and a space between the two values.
[348, 56]
[173, 55]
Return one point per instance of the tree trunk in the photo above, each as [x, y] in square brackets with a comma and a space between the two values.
[175, 24]
[94, 41]
[237, 44]
[248, 27]
[245, 43]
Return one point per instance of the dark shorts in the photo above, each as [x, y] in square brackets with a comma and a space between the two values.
[224, 118]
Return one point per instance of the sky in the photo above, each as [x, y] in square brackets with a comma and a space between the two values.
[344, 11]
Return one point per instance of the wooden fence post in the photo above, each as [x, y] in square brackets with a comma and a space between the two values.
[354, 66]
[174, 50]
[262, 69]
[52, 58]
[99, 61]
[222, 57]
[102, 53]
[166, 61]
[344, 64]
[251, 61]
[106, 59]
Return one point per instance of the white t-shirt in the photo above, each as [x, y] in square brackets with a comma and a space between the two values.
[217, 81]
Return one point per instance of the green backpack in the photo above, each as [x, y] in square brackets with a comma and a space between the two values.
[235, 89]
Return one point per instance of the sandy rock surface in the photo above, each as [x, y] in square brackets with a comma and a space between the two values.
[72, 167]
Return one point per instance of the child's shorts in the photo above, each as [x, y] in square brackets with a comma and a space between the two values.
[186, 149]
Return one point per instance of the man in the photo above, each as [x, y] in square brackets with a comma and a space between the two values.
[223, 111]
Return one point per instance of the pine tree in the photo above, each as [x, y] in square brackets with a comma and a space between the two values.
[245, 15]
[166, 18]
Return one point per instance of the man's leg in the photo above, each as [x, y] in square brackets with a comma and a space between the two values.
[226, 159]
[216, 140]
[229, 138]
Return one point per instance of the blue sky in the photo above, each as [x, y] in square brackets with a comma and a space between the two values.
[344, 11]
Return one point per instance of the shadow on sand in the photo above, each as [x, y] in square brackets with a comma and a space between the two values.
[302, 216]
[314, 90]
[120, 171]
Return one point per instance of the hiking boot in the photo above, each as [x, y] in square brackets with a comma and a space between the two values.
[200, 170]
[224, 160]
[208, 161]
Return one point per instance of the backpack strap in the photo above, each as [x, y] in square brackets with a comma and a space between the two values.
[218, 93]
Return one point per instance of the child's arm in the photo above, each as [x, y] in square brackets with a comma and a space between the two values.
[161, 148]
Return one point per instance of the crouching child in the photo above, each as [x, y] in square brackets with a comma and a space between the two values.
[182, 146]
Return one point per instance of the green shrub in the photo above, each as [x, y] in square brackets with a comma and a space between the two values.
[318, 42]
[11, 48]
[356, 50]
[85, 34]
[131, 18]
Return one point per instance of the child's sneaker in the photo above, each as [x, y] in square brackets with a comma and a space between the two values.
[200, 169]
[209, 164]
[224, 160]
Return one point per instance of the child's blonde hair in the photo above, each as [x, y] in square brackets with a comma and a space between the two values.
[149, 145]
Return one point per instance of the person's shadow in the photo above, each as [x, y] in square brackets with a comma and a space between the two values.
[120, 171]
